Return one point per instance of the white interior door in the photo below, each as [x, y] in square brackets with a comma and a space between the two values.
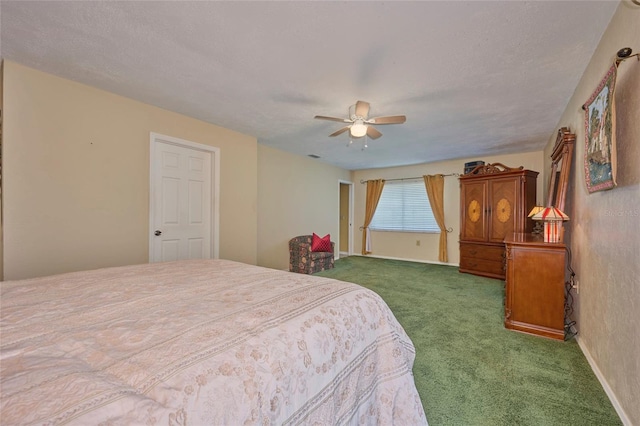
[181, 202]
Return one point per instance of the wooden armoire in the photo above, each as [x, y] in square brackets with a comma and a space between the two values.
[495, 201]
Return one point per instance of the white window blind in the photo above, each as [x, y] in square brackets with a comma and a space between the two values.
[404, 207]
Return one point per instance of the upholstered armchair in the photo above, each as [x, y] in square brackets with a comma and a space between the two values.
[304, 261]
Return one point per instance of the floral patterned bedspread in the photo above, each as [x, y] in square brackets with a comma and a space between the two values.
[202, 342]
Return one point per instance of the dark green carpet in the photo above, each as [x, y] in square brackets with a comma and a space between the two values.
[470, 370]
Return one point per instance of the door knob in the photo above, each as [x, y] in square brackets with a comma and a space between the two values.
[158, 233]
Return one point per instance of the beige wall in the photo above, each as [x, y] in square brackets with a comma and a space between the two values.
[603, 230]
[76, 176]
[1, 110]
[402, 245]
[297, 196]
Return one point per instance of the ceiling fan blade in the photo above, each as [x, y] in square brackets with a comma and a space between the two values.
[342, 120]
[339, 132]
[373, 133]
[362, 109]
[392, 119]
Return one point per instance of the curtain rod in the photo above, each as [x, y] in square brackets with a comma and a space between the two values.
[410, 178]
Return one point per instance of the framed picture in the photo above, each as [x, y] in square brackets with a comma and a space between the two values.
[600, 133]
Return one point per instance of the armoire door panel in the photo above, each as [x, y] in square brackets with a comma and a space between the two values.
[504, 208]
[474, 211]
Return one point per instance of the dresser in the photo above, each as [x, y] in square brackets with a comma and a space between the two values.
[494, 203]
[535, 286]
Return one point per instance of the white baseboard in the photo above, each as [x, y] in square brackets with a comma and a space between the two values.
[433, 262]
[612, 396]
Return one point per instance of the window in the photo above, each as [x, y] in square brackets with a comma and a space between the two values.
[404, 207]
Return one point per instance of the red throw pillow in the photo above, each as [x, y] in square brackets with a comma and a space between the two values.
[321, 244]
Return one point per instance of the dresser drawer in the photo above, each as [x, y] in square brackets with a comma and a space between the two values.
[483, 259]
[479, 251]
[486, 267]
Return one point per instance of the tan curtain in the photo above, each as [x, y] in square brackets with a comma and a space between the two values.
[374, 190]
[435, 192]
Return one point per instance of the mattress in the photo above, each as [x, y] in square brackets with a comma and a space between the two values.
[201, 342]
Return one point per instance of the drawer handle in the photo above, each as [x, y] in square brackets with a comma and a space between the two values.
[472, 252]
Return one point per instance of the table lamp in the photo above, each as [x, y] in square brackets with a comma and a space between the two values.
[537, 227]
[552, 219]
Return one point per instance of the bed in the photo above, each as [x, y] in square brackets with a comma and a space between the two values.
[202, 342]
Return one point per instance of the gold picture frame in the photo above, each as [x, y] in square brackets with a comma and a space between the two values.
[561, 159]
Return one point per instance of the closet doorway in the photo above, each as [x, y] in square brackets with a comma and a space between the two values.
[346, 219]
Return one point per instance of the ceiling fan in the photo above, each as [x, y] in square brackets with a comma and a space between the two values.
[360, 125]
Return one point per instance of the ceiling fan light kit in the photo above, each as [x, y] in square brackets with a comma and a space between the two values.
[359, 123]
[358, 129]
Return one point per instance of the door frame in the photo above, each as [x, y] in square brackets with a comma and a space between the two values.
[350, 231]
[155, 138]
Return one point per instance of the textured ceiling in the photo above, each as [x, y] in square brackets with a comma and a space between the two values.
[473, 78]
